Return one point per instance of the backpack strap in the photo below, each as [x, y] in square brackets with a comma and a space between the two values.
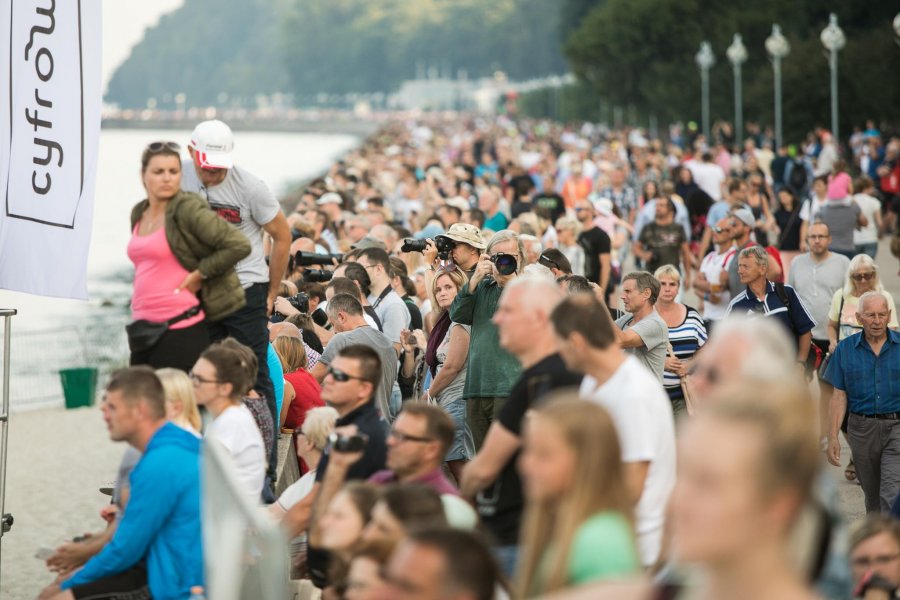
[786, 300]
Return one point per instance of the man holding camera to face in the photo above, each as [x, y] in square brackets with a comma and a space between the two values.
[462, 244]
[349, 386]
[492, 370]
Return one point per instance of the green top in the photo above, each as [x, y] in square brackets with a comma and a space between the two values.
[603, 548]
[492, 371]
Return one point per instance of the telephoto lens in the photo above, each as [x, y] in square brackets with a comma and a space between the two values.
[309, 259]
[317, 275]
[413, 245]
[506, 263]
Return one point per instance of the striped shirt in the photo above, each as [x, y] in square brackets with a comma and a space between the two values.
[686, 339]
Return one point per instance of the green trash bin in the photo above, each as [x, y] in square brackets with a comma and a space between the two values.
[79, 386]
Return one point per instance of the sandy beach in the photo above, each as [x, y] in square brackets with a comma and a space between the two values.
[57, 460]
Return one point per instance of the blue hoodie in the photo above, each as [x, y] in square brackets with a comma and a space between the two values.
[161, 522]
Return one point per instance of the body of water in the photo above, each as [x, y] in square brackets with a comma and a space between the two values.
[50, 334]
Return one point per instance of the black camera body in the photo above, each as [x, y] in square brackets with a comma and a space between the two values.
[348, 443]
[443, 244]
[300, 301]
[317, 276]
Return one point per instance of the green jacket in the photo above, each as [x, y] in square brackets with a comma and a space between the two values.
[201, 240]
[492, 371]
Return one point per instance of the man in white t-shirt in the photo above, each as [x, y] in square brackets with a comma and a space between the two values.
[865, 239]
[708, 175]
[246, 202]
[810, 207]
[637, 403]
[712, 280]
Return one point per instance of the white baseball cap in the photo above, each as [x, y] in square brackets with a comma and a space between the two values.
[213, 143]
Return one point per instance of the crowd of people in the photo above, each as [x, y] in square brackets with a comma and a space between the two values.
[514, 359]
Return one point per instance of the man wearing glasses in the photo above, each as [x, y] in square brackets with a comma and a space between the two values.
[875, 557]
[349, 387]
[816, 276]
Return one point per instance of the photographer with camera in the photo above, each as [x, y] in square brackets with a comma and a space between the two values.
[391, 309]
[462, 244]
[492, 370]
[349, 386]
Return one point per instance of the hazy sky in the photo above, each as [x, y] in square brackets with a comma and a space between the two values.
[124, 22]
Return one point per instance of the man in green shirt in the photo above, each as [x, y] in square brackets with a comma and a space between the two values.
[492, 371]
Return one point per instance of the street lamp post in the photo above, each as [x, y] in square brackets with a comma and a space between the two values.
[778, 47]
[834, 40]
[705, 60]
[737, 55]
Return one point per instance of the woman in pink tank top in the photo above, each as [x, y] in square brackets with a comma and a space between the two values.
[164, 290]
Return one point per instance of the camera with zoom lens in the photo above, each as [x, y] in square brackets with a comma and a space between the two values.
[317, 276]
[309, 259]
[348, 443]
[443, 244]
[506, 263]
[300, 301]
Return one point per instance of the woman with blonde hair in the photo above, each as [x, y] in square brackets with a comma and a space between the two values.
[181, 404]
[733, 509]
[578, 526]
[862, 277]
[687, 334]
[301, 390]
[446, 355]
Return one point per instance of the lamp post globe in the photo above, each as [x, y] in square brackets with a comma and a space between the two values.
[896, 25]
[778, 47]
[737, 56]
[705, 59]
[834, 40]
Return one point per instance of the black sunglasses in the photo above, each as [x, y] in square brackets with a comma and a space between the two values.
[342, 377]
[719, 229]
[155, 147]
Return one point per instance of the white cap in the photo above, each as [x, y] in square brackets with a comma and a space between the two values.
[213, 143]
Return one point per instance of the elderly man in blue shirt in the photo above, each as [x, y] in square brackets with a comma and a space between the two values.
[865, 373]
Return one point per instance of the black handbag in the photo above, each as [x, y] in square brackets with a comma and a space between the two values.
[144, 335]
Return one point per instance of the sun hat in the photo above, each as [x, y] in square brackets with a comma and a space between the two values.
[213, 143]
[466, 234]
[329, 198]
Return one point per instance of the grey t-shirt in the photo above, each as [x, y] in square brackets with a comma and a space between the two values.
[655, 334]
[840, 216]
[393, 314]
[816, 284]
[130, 459]
[367, 336]
[246, 202]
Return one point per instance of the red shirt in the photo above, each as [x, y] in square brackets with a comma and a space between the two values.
[307, 395]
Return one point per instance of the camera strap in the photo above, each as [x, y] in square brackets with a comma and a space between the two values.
[382, 296]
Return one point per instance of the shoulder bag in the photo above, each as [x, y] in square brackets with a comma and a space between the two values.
[144, 335]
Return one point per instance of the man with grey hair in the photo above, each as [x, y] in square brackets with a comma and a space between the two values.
[525, 331]
[643, 333]
[776, 300]
[345, 313]
[492, 370]
[863, 371]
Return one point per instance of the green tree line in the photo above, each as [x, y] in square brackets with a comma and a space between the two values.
[208, 49]
[639, 55]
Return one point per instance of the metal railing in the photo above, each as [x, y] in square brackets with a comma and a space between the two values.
[6, 520]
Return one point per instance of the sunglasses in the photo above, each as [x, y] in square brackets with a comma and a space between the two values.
[342, 377]
[404, 437]
[156, 147]
[719, 229]
[862, 276]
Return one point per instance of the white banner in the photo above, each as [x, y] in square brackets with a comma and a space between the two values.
[50, 53]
